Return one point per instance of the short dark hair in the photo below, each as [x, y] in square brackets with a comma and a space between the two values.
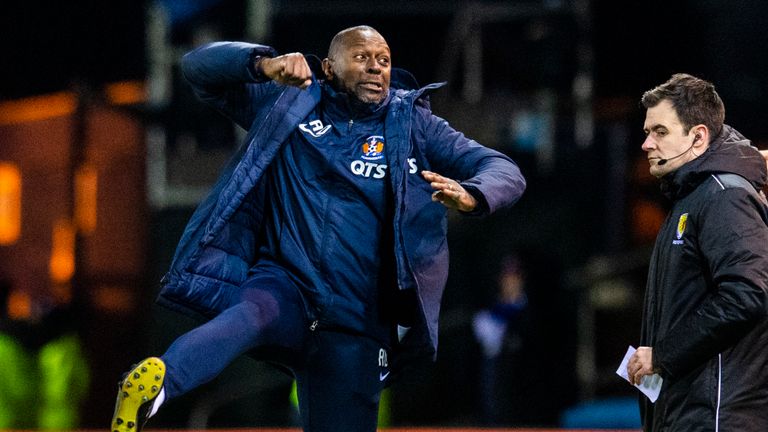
[695, 101]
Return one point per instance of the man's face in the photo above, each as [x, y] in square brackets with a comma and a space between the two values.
[361, 67]
[666, 139]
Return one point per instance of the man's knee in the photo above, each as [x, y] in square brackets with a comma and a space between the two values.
[259, 310]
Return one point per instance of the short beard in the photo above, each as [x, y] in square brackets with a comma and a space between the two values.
[354, 101]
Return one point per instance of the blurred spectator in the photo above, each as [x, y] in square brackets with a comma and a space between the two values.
[44, 375]
[498, 331]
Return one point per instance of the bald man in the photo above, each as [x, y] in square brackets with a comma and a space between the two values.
[323, 245]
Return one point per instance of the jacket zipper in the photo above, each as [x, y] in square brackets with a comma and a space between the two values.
[349, 125]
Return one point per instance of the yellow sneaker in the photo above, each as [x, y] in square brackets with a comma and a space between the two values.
[136, 395]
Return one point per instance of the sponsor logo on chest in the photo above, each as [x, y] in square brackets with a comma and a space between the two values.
[369, 160]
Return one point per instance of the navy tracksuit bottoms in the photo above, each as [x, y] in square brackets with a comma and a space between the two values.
[339, 375]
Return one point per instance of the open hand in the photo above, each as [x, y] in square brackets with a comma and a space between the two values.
[449, 192]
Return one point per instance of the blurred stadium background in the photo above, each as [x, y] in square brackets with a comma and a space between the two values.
[104, 152]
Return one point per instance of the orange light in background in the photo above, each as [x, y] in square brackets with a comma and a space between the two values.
[126, 92]
[37, 108]
[114, 299]
[647, 218]
[62, 264]
[10, 203]
[19, 305]
[86, 191]
[64, 103]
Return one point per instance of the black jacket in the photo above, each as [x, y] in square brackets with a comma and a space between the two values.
[706, 303]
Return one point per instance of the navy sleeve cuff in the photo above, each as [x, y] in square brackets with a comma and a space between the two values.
[256, 73]
[482, 207]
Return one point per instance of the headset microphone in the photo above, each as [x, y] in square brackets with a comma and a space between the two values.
[664, 161]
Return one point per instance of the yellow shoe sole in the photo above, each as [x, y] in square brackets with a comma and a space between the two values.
[140, 386]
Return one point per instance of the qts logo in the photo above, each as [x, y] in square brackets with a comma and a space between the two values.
[373, 150]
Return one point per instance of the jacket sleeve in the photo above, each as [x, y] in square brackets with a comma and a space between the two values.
[490, 176]
[733, 240]
[222, 75]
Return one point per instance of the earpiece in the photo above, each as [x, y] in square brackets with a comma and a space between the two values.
[696, 137]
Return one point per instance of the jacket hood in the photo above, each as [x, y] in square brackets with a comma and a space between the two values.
[729, 152]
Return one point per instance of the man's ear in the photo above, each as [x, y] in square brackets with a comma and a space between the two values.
[701, 136]
[327, 69]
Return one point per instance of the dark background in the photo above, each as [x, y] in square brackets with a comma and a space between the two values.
[568, 217]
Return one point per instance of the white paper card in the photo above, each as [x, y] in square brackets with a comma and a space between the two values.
[650, 385]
